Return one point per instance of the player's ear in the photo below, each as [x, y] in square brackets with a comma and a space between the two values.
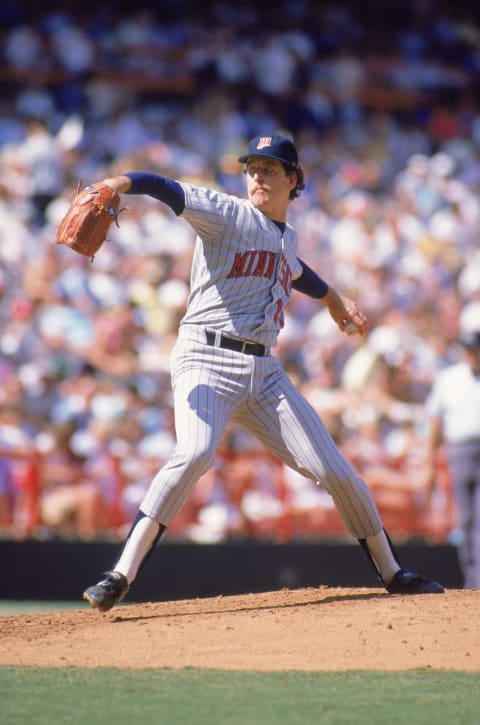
[292, 180]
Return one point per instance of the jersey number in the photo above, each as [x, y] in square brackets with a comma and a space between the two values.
[278, 316]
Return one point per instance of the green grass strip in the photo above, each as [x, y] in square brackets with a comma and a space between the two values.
[212, 697]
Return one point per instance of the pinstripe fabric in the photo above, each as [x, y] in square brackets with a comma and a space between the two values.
[212, 386]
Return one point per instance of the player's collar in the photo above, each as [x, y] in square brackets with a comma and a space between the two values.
[281, 225]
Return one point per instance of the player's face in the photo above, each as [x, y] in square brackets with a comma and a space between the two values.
[269, 186]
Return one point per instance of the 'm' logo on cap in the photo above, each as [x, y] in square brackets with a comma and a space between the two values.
[264, 141]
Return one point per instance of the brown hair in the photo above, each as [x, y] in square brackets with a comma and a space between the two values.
[300, 185]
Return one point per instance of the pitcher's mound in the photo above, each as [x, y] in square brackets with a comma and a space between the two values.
[306, 629]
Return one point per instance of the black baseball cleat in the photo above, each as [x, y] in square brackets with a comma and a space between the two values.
[407, 582]
[107, 592]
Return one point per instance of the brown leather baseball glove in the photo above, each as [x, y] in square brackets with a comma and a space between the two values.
[85, 226]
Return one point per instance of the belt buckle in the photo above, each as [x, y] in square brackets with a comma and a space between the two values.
[244, 346]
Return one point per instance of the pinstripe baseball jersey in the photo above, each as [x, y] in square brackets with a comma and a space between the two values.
[243, 266]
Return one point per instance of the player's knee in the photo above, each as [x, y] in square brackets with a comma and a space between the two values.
[349, 481]
[200, 460]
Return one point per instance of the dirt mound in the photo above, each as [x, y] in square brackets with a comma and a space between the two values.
[307, 629]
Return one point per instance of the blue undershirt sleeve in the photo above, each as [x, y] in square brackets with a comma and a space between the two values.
[310, 283]
[167, 190]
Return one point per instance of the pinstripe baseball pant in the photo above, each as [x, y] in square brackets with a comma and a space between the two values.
[212, 386]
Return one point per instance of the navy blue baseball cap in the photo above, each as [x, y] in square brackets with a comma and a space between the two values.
[272, 147]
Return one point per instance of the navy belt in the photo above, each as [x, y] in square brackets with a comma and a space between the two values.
[230, 343]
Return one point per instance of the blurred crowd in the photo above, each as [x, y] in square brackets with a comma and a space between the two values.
[388, 132]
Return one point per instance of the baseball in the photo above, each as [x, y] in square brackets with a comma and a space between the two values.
[351, 329]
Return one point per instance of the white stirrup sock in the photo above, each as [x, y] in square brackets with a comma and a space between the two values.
[139, 543]
[383, 556]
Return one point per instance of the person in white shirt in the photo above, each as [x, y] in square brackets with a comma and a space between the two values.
[453, 408]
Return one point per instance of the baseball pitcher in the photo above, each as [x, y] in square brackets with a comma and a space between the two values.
[244, 268]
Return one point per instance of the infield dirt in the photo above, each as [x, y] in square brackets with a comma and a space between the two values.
[314, 629]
